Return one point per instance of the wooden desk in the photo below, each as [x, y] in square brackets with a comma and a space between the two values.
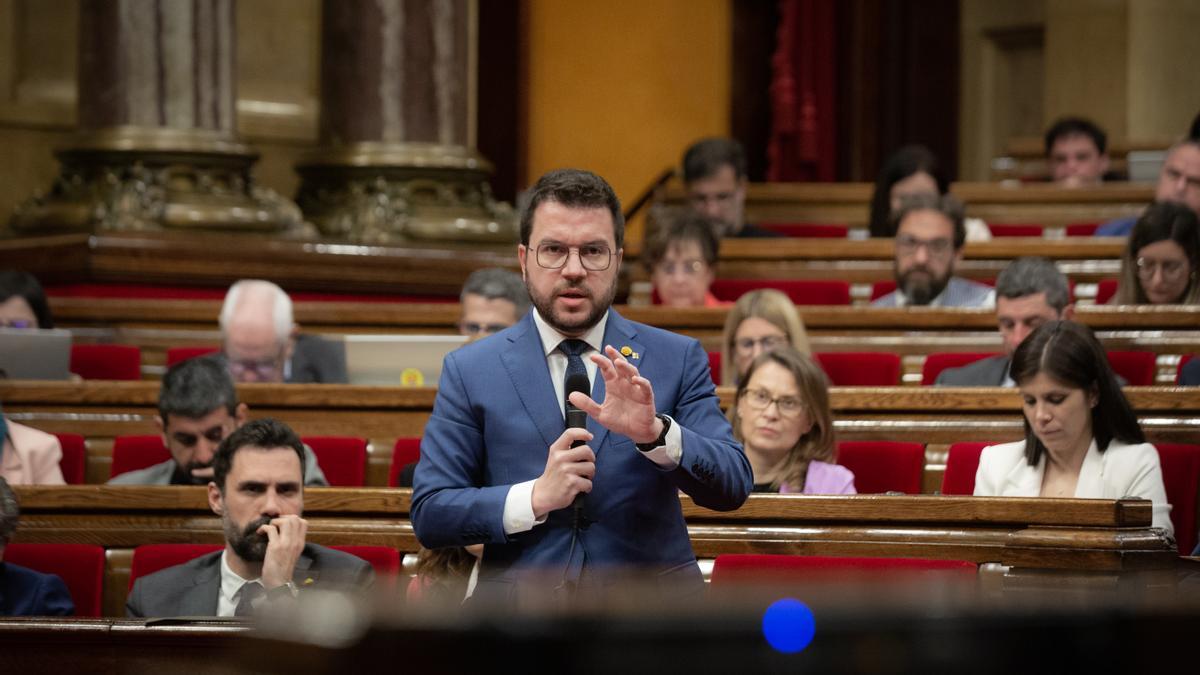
[1089, 538]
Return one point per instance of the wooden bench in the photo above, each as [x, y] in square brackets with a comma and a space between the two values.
[1089, 539]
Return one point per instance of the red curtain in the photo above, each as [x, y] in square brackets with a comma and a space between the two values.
[803, 124]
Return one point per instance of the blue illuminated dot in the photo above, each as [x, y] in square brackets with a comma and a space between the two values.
[788, 625]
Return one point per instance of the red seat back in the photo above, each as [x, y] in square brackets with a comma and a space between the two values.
[1138, 368]
[177, 354]
[743, 568]
[74, 458]
[819, 230]
[1016, 229]
[80, 566]
[1181, 477]
[150, 558]
[884, 466]
[106, 362]
[882, 288]
[714, 367]
[800, 291]
[1081, 229]
[384, 560]
[1105, 290]
[405, 452]
[343, 459]
[131, 453]
[937, 362]
[1183, 361]
[961, 465]
[860, 369]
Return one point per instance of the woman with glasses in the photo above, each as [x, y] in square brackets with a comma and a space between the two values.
[1082, 438]
[759, 321]
[781, 416]
[681, 258]
[1161, 258]
[22, 301]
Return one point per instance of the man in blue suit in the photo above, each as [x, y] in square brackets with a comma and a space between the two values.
[497, 467]
[25, 592]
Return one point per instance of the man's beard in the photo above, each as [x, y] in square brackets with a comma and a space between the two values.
[247, 543]
[545, 307]
[184, 475]
[921, 289]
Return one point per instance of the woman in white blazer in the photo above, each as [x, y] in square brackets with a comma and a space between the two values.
[1082, 438]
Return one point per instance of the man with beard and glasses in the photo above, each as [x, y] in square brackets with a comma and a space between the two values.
[258, 490]
[197, 409]
[929, 240]
[497, 467]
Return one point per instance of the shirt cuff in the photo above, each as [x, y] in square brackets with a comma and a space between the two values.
[667, 456]
[518, 509]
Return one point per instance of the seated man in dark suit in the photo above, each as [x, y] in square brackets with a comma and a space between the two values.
[24, 592]
[714, 173]
[1029, 292]
[197, 409]
[258, 490]
[1190, 375]
[262, 343]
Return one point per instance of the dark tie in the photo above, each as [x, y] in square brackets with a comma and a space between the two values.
[574, 349]
[251, 590]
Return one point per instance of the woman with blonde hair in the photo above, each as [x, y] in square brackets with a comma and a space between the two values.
[758, 322]
[781, 416]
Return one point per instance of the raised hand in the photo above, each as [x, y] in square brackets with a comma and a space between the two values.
[628, 406]
[285, 542]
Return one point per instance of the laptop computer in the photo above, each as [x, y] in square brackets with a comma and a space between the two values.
[35, 354]
[398, 360]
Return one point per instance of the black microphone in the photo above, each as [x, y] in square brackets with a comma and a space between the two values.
[577, 419]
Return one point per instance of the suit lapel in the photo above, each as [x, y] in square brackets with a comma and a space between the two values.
[201, 600]
[525, 362]
[620, 335]
[1027, 479]
[1091, 474]
[304, 574]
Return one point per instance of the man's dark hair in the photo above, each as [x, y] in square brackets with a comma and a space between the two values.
[947, 205]
[1194, 134]
[1033, 275]
[706, 157]
[1069, 353]
[1076, 126]
[574, 188]
[10, 512]
[901, 164]
[677, 226]
[265, 433]
[15, 283]
[494, 283]
[196, 387]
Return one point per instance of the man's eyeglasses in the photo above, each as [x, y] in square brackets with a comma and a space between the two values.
[907, 245]
[768, 342]
[473, 328]
[759, 399]
[593, 257]
[1172, 270]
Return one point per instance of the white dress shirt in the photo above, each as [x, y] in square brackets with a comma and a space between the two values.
[231, 588]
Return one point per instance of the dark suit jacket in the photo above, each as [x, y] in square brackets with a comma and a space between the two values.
[1190, 377]
[495, 415]
[317, 360]
[987, 372]
[191, 589]
[24, 592]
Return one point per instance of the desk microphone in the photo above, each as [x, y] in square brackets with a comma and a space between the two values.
[577, 419]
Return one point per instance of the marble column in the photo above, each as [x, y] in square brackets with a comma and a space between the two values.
[157, 147]
[397, 160]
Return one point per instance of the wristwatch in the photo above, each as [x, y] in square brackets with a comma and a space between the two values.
[287, 589]
[662, 438]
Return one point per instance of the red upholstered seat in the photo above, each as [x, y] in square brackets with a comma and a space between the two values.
[80, 566]
[1016, 229]
[405, 452]
[819, 230]
[1105, 290]
[961, 465]
[1081, 229]
[884, 466]
[106, 362]
[384, 560]
[1138, 368]
[860, 369]
[131, 453]
[937, 362]
[177, 354]
[743, 568]
[74, 458]
[150, 558]
[714, 367]
[1181, 477]
[1183, 361]
[343, 459]
[800, 291]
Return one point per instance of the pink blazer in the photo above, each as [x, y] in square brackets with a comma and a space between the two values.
[825, 479]
[30, 457]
